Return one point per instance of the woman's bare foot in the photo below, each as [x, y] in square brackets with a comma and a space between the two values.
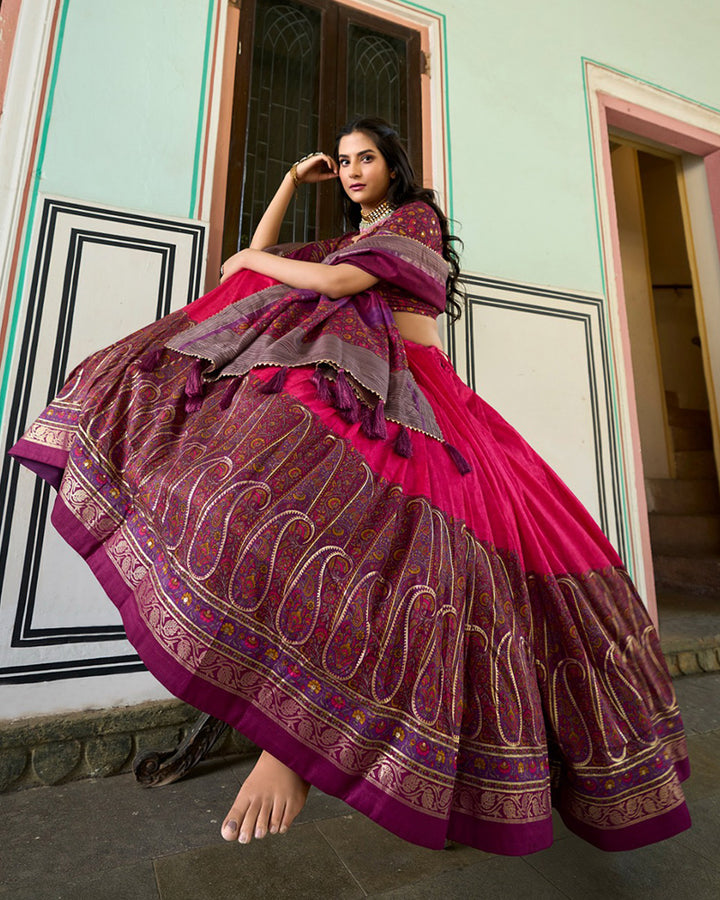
[270, 798]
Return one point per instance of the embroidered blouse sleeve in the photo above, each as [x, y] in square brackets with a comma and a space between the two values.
[404, 251]
[416, 221]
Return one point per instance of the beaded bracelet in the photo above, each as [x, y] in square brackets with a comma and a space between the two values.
[293, 167]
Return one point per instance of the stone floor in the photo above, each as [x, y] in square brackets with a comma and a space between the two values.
[111, 840]
[686, 619]
[690, 631]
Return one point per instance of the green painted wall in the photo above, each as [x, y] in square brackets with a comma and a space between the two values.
[126, 108]
[123, 129]
[522, 174]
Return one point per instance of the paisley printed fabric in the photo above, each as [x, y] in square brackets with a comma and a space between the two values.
[451, 655]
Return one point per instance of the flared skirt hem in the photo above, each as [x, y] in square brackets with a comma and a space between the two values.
[422, 828]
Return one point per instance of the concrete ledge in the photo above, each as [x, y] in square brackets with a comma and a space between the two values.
[97, 743]
[683, 659]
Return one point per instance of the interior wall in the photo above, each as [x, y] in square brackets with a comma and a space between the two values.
[673, 297]
[637, 284]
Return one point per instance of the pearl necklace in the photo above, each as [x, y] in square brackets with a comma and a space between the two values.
[381, 211]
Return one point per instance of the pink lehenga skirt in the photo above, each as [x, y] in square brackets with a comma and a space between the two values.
[450, 654]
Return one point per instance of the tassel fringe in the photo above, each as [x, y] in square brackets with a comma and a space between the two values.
[351, 416]
[194, 388]
[373, 422]
[322, 386]
[194, 385]
[276, 383]
[344, 394]
[461, 464]
[229, 393]
[345, 401]
[338, 393]
[403, 443]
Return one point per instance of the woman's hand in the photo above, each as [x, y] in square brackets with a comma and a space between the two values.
[234, 263]
[315, 168]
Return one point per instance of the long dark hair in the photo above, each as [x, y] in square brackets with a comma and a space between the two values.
[404, 189]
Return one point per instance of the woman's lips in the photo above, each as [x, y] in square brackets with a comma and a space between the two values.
[357, 187]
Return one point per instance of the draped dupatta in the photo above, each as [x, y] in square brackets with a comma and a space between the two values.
[352, 342]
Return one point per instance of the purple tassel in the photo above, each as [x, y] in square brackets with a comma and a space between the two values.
[403, 443]
[193, 404]
[345, 397]
[461, 464]
[378, 420]
[365, 420]
[276, 383]
[229, 393]
[373, 422]
[149, 362]
[345, 401]
[322, 386]
[352, 415]
[194, 387]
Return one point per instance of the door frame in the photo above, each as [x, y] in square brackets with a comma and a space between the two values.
[616, 100]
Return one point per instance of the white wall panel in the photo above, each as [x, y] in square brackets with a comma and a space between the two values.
[98, 274]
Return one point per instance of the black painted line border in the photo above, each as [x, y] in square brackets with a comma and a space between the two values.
[53, 210]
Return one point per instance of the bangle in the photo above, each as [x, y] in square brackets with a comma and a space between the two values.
[293, 167]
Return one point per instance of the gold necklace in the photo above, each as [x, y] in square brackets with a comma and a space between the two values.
[381, 211]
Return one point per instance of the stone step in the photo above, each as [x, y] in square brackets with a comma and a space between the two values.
[689, 625]
[682, 496]
[695, 464]
[684, 535]
[696, 575]
[688, 418]
[691, 438]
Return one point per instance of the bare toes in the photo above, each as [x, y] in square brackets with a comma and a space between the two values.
[291, 811]
[247, 826]
[229, 830]
[231, 826]
[268, 802]
[263, 819]
[276, 819]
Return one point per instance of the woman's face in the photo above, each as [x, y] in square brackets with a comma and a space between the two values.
[364, 174]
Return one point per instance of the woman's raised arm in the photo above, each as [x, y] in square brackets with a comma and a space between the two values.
[333, 281]
[309, 170]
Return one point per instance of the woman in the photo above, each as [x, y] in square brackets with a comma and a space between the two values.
[316, 532]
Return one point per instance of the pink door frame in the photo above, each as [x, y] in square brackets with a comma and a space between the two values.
[683, 137]
[673, 133]
[8, 26]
